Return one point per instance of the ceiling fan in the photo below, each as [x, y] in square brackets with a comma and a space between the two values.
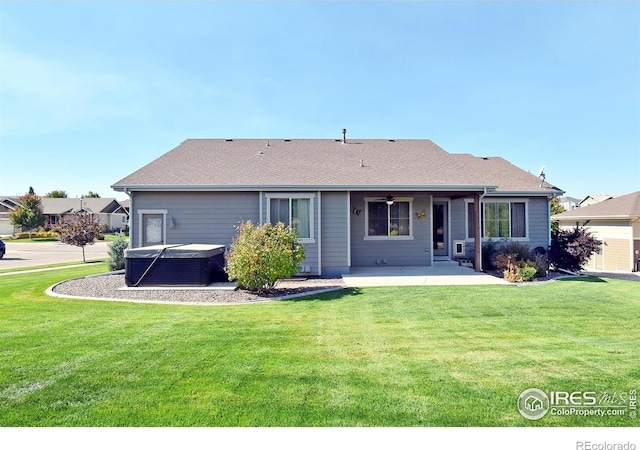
[389, 199]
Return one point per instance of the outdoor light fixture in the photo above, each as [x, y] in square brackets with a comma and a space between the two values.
[389, 200]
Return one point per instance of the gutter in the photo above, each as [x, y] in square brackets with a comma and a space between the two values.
[298, 187]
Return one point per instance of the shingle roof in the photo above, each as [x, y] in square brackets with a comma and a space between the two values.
[625, 206]
[58, 206]
[202, 164]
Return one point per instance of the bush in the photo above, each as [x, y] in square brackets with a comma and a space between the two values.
[489, 250]
[518, 249]
[116, 252]
[260, 255]
[516, 263]
[36, 235]
[528, 273]
[571, 249]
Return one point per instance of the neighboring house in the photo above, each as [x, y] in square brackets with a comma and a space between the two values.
[7, 205]
[569, 203]
[595, 198]
[110, 212]
[354, 203]
[616, 222]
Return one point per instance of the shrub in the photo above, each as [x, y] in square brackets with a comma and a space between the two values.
[518, 249]
[489, 250]
[571, 249]
[514, 267]
[260, 255]
[528, 273]
[116, 252]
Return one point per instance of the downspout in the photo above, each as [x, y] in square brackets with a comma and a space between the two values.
[478, 230]
[260, 219]
[131, 215]
[319, 233]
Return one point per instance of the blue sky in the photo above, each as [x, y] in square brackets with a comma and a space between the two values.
[92, 91]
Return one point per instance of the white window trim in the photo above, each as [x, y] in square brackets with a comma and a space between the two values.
[526, 238]
[368, 200]
[141, 212]
[294, 195]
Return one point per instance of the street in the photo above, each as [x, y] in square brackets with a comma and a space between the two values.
[28, 254]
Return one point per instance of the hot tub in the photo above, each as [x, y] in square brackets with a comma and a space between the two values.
[175, 265]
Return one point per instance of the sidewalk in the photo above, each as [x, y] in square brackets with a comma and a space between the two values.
[418, 276]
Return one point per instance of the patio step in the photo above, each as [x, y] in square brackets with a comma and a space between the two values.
[445, 263]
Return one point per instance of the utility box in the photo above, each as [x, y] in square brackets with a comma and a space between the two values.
[175, 265]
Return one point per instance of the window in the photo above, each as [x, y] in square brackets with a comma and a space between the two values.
[388, 221]
[152, 226]
[499, 220]
[295, 210]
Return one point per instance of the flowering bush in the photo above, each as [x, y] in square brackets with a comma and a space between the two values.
[260, 255]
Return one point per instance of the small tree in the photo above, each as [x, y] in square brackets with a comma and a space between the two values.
[260, 255]
[556, 208]
[29, 215]
[56, 194]
[116, 252]
[572, 248]
[81, 230]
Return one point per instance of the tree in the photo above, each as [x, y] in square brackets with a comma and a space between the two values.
[56, 194]
[91, 194]
[80, 230]
[116, 252]
[556, 208]
[260, 255]
[572, 248]
[29, 215]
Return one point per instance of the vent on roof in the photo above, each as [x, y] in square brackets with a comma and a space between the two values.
[392, 140]
[344, 135]
[229, 140]
[485, 158]
[287, 140]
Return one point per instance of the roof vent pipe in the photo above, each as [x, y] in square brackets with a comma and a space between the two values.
[344, 135]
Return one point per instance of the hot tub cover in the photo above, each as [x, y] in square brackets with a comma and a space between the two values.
[176, 251]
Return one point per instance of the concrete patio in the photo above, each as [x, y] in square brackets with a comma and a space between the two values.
[438, 275]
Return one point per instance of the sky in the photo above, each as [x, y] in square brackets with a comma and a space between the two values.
[92, 91]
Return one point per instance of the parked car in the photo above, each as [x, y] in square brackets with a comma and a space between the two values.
[3, 248]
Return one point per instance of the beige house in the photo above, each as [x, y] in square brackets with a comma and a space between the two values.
[616, 222]
[111, 213]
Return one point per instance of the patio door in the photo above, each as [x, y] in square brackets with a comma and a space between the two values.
[440, 229]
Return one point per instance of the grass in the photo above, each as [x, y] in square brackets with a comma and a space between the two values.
[405, 356]
[53, 266]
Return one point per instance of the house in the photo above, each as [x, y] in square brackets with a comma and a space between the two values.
[616, 222]
[569, 203]
[595, 198]
[7, 205]
[111, 214]
[354, 203]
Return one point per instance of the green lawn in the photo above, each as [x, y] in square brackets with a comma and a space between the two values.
[405, 356]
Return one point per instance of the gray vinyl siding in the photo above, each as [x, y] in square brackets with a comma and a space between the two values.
[335, 233]
[416, 252]
[199, 217]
